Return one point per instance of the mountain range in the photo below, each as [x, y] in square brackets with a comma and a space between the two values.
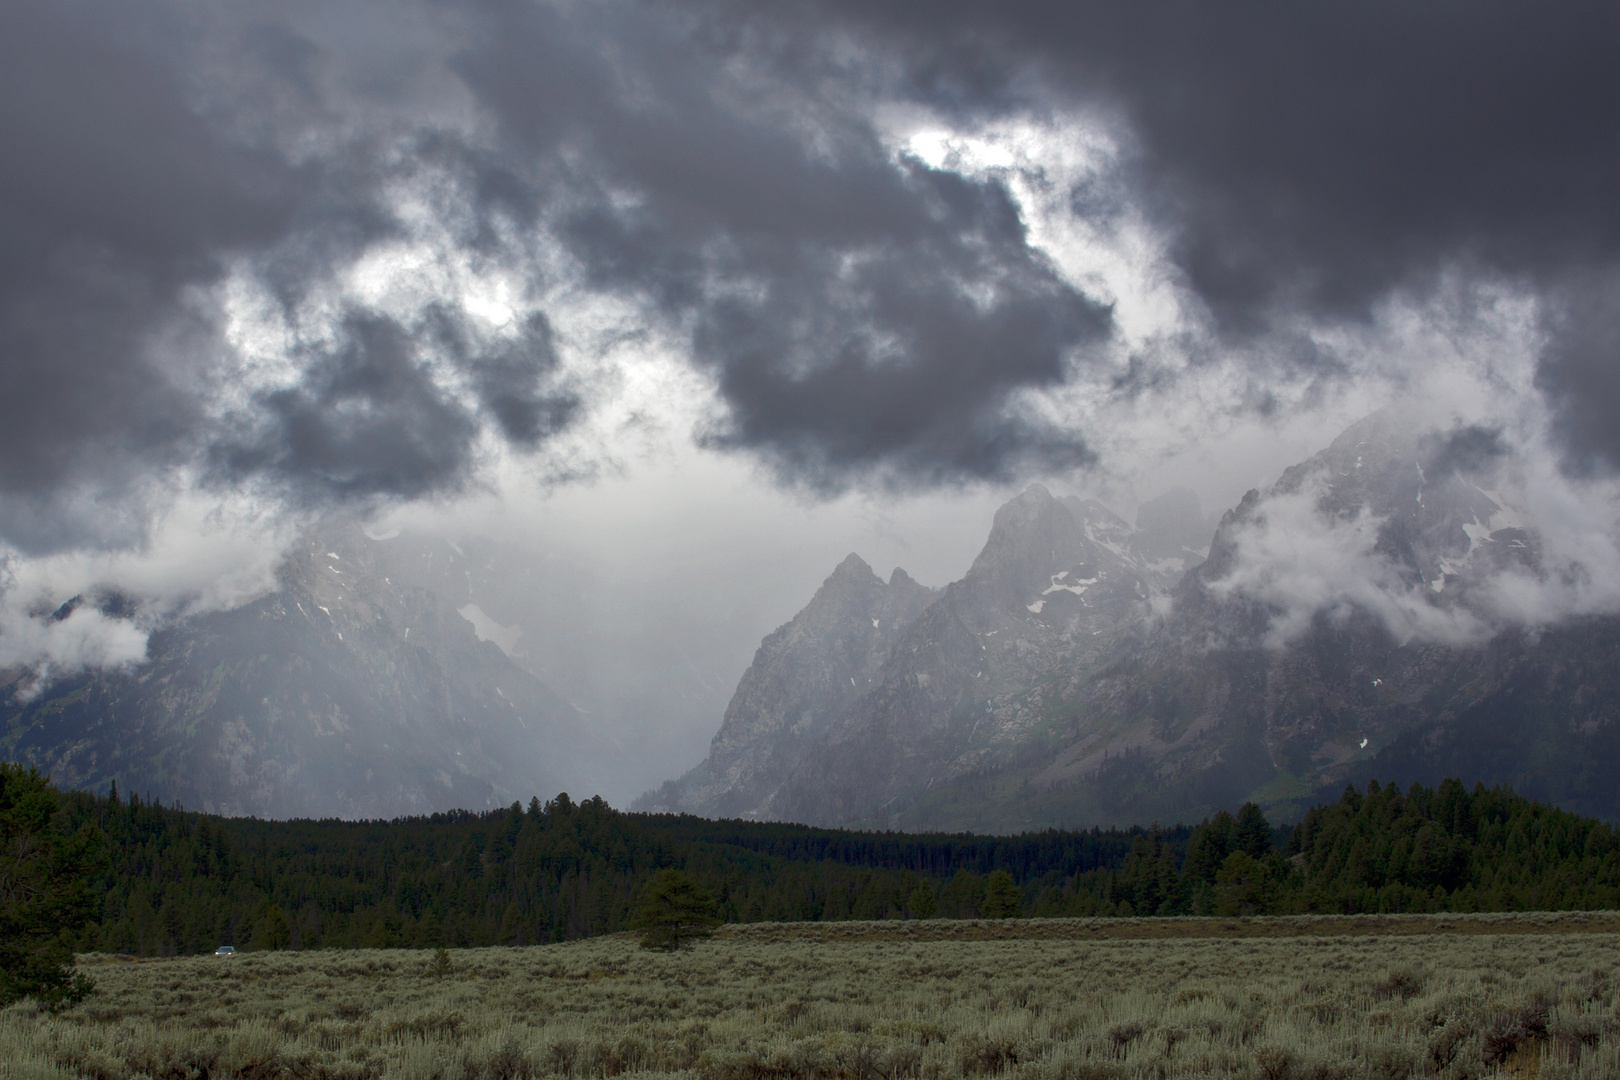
[1345, 623]
[1331, 628]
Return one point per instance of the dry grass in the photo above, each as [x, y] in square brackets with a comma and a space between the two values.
[1278, 999]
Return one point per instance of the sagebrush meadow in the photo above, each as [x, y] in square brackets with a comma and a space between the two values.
[1413, 996]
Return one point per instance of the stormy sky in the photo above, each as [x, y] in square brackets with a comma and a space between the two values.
[793, 277]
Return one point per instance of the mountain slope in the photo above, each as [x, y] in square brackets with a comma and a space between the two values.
[803, 675]
[340, 694]
[1055, 582]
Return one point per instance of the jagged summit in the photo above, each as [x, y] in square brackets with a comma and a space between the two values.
[1030, 534]
[852, 568]
[803, 675]
[880, 671]
[1442, 522]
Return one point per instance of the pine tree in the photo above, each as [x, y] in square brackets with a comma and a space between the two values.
[1001, 897]
[275, 930]
[675, 911]
[1252, 833]
[922, 904]
[45, 892]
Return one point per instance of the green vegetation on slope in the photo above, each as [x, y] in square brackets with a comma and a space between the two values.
[183, 882]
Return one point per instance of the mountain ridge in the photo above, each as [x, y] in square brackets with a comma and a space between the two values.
[1085, 673]
[337, 694]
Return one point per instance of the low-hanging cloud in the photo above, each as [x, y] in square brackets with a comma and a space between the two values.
[85, 608]
[1447, 537]
[1300, 562]
[54, 646]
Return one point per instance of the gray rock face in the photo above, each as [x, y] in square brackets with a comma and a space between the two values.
[341, 694]
[804, 674]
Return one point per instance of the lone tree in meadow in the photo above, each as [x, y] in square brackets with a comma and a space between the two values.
[675, 911]
[1002, 899]
[45, 893]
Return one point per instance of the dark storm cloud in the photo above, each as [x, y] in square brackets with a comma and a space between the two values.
[511, 381]
[886, 310]
[121, 189]
[1581, 370]
[113, 194]
[889, 361]
[860, 315]
[1311, 158]
[366, 418]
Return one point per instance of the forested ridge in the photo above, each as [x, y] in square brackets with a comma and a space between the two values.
[184, 882]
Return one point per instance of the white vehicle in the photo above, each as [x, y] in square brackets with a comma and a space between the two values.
[225, 950]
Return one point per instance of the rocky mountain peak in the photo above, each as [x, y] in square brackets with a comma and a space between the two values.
[1432, 497]
[1032, 536]
[854, 570]
[803, 675]
[1048, 687]
[344, 692]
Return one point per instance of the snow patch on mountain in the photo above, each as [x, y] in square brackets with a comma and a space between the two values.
[487, 629]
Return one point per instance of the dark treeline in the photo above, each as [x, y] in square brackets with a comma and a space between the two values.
[1422, 850]
[1028, 857]
[183, 882]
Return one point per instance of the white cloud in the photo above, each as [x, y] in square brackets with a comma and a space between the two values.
[197, 554]
[50, 648]
[1298, 562]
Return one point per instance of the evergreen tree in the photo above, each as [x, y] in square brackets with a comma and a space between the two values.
[922, 904]
[1251, 833]
[275, 931]
[45, 891]
[1001, 897]
[675, 911]
[1211, 843]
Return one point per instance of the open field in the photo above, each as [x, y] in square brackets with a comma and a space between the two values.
[1451, 996]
